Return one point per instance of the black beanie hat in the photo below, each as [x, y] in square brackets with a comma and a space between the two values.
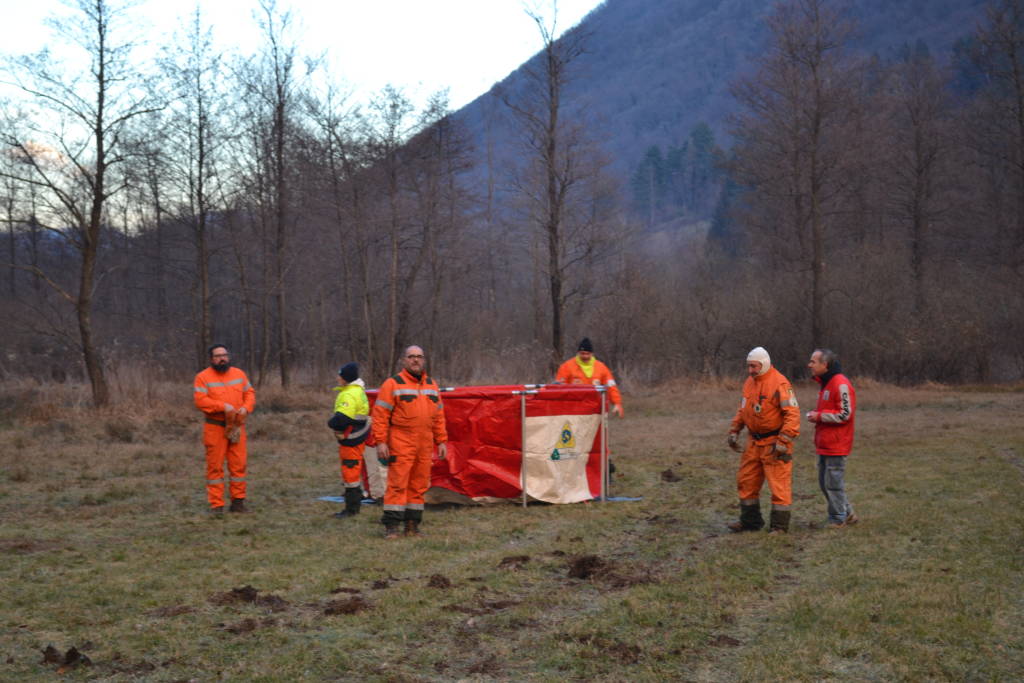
[349, 372]
[585, 345]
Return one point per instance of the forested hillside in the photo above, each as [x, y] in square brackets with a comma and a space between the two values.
[858, 167]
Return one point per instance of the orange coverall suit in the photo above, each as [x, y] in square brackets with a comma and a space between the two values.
[409, 417]
[212, 390]
[770, 413]
[571, 372]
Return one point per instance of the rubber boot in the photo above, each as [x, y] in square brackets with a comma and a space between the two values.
[237, 505]
[779, 522]
[353, 501]
[750, 518]
[412, 527]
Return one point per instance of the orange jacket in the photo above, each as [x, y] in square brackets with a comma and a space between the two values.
[768, 404]
[570, 372]
[408, 404]
[213, 390]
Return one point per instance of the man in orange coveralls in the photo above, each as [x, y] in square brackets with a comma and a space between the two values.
[408, 420]
[771, 415]
[226, 397]
[583, 368]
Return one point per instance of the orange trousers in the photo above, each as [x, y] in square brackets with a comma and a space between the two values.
[219, 449]
[409, 472]
[759, 463]
[351, 458]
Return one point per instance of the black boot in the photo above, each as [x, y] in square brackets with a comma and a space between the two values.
[353, 501]
[750, 518]
[779, 522]
[237, 505]
[412, 527]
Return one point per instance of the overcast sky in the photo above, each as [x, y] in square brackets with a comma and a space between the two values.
[420, 46]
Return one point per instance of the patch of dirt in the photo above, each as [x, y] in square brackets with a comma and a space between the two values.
[25, 546]
[722, 640]
[439, 581]
[585, 566]
[484, 607]
[69, 660]
[170, 611]
[514, 562]
[350, 591]
[669, 475]
[353, 605]
[249, 595]
[592, 567]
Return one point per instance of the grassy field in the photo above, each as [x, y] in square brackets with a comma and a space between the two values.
[108, 555]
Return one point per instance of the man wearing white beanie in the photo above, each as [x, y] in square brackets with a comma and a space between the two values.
[771, 415]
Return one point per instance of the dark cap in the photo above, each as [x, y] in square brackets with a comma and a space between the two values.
[585, 345]
[349, 372]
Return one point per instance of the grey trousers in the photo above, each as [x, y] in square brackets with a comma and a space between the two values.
[831, 474]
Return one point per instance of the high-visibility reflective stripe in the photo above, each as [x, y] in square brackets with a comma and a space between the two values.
[781, 508]
[362, 430]
[414, 506]
[394, 508]
[789, 403]
[248, 386]
[611, 383]
[749, 501]
[385, 404]
[216, 384]
[202, 390]
[352, 485]
[429, 392]
[214, 481]
[405, 392]
[236, 478]
[234, 381]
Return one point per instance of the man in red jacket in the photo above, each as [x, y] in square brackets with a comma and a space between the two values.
[226, 398]
[833, 433]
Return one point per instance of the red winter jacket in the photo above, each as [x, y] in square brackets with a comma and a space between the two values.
[837, 401]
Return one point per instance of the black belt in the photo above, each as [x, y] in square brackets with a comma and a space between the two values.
[757, 437]
[222, 423]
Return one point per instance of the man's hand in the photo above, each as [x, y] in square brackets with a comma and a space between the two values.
[383, 454]
[734, 441]
[242, 412]
[617, 409]
[442, 450]
[228, 409]
[783, 451]
[813, 416]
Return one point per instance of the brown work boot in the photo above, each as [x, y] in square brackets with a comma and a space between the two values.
[391, 532]
[237, 505]
[412, 527]
[779, 522]
[851, 519]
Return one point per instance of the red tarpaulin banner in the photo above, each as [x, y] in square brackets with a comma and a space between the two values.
[564, 434]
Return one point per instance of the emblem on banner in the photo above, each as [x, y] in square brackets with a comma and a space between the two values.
[566, 445]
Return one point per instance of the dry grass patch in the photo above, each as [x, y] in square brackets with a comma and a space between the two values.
[107, 549]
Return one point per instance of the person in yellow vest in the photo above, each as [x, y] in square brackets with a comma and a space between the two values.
[351, 425]
[583, 368]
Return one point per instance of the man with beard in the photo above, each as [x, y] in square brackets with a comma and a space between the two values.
[226, 398]
[407, 422]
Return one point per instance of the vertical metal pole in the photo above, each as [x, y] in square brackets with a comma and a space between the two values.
[604, 448]
[522, 463]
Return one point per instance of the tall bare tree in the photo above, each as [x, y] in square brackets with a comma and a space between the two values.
[72, 149]
[795, 139]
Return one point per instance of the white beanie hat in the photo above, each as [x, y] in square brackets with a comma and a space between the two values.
[761, 356]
